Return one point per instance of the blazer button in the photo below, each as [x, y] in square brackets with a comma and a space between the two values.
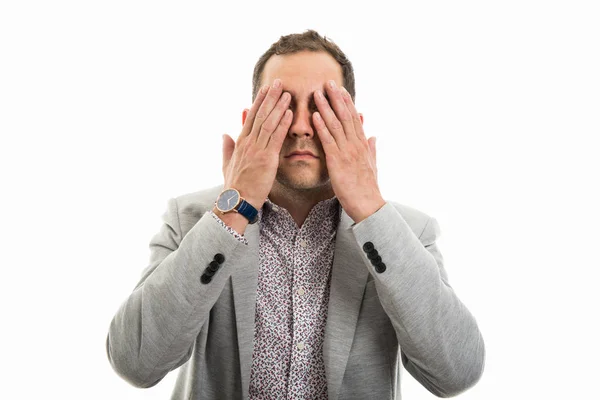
[213, 266]
[205, 279]
[380, 268]
[219, 258]
[372, 254]
[368, 247]
[209, 272]
[376, 260]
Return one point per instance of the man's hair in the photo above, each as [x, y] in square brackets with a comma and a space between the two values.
[310, 41]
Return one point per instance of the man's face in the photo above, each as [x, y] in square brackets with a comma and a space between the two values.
[301, 74]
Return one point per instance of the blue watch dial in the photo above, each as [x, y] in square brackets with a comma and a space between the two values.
[228, 200]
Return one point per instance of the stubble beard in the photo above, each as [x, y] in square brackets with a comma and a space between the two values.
[300, 182]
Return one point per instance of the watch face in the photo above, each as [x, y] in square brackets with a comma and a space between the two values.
[228, 200]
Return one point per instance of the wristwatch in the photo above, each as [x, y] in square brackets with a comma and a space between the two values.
[230, 200]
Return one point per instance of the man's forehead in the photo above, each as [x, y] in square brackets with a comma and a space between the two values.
[302, 69]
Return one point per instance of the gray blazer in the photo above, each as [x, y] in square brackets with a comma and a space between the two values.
[406, 313]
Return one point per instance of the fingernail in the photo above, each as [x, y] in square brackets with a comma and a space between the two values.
[264, 89]
[345, 92]
[276, 83]
[332, 84]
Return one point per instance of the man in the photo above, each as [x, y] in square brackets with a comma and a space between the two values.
[296, 279]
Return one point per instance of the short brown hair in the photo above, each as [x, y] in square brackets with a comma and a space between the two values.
[311, 41]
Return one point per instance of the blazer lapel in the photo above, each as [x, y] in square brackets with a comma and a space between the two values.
[348, 279]
[244, 282]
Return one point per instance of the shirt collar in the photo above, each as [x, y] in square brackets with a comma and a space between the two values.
[327, 204]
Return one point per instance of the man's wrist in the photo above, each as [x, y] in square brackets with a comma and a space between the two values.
[366, 211]
[234, 220]
[232, 200]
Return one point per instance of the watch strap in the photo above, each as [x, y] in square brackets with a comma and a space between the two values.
[248, 211]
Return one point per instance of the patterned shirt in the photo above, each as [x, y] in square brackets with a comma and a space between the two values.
[291, 303]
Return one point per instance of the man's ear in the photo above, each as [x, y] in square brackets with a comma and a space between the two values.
[362, 119]
[245, 115]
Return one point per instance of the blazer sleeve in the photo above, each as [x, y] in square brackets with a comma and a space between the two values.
[441, 345]
[154, 330]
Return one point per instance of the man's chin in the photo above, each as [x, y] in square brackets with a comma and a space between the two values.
[299, 184]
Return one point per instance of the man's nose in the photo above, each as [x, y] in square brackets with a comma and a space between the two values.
[302, 125]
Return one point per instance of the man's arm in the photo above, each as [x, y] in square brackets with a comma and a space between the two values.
[154, 330]
[439, 338]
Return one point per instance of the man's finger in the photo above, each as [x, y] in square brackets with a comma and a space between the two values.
[266, 107]
[327, 140]
[358, 127]
[270, 125]
[340, 109]
[260, 96]
[372, 146]
[228, 148]
[278, 137]
[333, 125]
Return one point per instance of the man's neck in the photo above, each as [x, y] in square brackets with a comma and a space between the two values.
[299, 202]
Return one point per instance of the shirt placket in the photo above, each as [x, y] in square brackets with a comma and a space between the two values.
[299, 364]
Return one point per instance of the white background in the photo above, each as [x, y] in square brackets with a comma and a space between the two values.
[486, 114]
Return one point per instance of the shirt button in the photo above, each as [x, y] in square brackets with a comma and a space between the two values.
[300, 346]
[275, 208]
[303, 243]
[300, 292]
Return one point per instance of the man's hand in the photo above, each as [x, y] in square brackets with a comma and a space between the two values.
[250, 165]
[351, 158]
